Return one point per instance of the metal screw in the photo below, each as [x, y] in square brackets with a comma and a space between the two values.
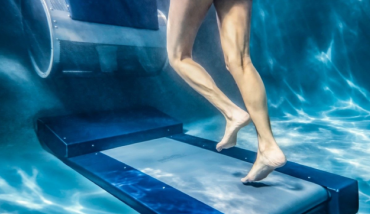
[56, 26]
[54, 21]
[64, 138]
[164, 187]
[309, 177]
[92, 145]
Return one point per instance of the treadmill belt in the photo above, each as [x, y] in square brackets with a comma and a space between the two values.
[214, 179]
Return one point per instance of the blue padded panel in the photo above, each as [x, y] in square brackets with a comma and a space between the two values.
[72, 135]
[142, 192]
[129, 13]
[343, 190]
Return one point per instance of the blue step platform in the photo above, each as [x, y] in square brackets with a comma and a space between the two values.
[142, 157]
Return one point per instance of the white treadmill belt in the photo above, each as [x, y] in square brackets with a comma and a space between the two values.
[214, 179]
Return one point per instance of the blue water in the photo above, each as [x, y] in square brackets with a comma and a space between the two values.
[312, 55]
[314, 59]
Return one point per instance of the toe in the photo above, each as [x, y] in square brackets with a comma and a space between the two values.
[218, 148]
[245, 180]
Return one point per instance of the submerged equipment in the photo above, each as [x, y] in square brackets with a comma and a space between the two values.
[143, 157]
[95, 37]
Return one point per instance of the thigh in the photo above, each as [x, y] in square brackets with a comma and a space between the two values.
[184, 20]
[234, 17]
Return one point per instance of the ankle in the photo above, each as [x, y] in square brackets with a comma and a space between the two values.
[228, 116]
[266, 144]
[231, 114]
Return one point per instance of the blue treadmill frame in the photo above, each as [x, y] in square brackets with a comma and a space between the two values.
[143, 192]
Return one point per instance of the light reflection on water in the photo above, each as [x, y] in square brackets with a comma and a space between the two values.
[313, 57]
[33, 181]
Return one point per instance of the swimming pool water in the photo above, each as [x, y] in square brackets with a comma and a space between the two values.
[313, 58]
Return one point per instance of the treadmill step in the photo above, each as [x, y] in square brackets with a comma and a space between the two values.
[72, 135]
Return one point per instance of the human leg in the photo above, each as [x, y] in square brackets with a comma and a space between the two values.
[234, 24]
[185, 17]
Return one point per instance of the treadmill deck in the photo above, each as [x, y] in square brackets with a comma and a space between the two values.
[142, 156]
[214, 179]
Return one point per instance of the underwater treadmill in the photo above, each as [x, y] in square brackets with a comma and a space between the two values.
[142, 157]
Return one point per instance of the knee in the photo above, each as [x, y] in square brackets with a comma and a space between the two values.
[173, 60]
[176, 54]
[233, 62]
[238, 63]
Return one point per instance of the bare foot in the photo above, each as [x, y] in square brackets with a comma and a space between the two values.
[267, 160]
[233, 125]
